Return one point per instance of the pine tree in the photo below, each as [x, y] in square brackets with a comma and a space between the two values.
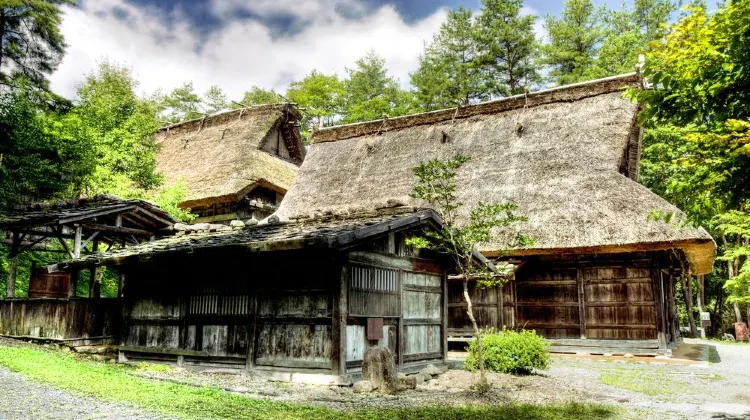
[373, 94]
[449, 73]
[574, 41]
[31, 44]
[214, 100]
[507, 47]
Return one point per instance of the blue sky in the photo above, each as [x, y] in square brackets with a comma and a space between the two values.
[236, 44]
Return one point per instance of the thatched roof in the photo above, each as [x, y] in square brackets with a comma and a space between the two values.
[221, 157]
[568, 157]
[324, 232]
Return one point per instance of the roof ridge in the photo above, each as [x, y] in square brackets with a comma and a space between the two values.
[565, 93]
[249, 109]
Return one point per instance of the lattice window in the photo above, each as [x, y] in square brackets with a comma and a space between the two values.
[374, 291]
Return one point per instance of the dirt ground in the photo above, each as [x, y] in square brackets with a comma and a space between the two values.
[704, 380]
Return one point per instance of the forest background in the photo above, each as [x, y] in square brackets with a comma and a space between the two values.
[696, 118]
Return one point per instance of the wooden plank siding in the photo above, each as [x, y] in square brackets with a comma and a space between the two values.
[288, 311]
[600, 298]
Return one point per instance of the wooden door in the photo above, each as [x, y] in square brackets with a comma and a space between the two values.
[548, 301]
[619, 303]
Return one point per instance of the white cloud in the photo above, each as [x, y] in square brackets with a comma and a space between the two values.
[241, 53]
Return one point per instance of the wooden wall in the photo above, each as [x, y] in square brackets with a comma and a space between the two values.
[266, 311]
[60, 319]
[604, 297]
[389, 281]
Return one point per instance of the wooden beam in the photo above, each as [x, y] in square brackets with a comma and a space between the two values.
[11, 292]
[63, 243]
[91, 215]
[153, 216]
[125, 231]
[93, 284]
[581, 302]
[91, 238]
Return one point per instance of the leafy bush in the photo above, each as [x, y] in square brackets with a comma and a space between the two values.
[516, 352]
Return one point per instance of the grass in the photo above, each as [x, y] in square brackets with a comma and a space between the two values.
[653, 381]
[115, 383]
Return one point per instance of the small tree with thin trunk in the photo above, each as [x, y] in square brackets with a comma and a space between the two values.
[460, 239]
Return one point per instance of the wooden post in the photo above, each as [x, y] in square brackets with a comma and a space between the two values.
[658, 293]
[93, 284]
[15, 245]
[445, 316]
[120, 284]
[252, 331]
[338, 333]
[500, 307]
[581, 304]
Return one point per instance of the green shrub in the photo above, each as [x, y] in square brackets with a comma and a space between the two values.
[516, 352]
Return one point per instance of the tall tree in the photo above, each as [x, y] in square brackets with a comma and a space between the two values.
[259, 96]
[448, 73]
[34, 162]
[214, 100]
[31, 44]
[701, 73]
[626, 34]
[373, 94]
[507, 47]
[320, 95]
[118, 127]
[574, 40]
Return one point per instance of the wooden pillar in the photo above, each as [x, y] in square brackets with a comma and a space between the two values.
[444, 328]
[13, 273]
[252, 342]
[94, 289]
[581, 304]
[340, 312]
[657, 285]
[120, 284]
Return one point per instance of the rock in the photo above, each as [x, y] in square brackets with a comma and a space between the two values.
[201, 226]
[430, 370]
[273, 219]
[362, 387]
[181, 227]
[99, 357]
[237, 224]
[607, 354]
[422, 378]
[180, 233]
[627, 355]
[218, 228]
[251, 222]
[401, 376]
[408, 382]
[379, 367]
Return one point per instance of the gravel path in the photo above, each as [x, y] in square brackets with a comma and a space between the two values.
[23, 398]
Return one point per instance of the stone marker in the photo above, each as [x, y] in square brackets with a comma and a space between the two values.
[431, 370]
[379, 367]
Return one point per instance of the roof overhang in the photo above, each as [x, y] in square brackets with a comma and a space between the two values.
[700, 253]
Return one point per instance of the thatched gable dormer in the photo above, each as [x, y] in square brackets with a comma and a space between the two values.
[568, 157]
[236, 164]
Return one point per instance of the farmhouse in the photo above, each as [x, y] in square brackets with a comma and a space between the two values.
[236, 164]
[601, 271]
[300, 300]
